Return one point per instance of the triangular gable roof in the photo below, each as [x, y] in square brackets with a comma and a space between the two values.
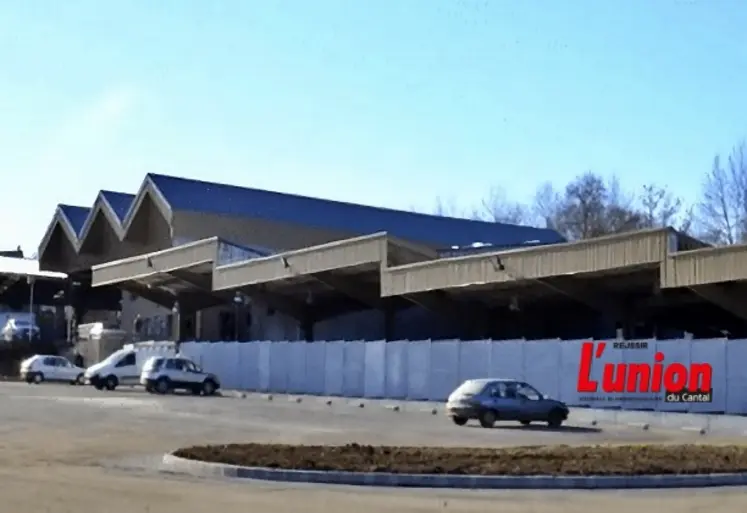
[171, 193]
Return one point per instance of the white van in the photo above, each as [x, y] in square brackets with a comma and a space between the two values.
[123, 367]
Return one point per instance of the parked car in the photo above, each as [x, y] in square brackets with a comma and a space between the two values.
[123, 367]
[162, 374]
[20, 329]
[492, 400]
[43, 367]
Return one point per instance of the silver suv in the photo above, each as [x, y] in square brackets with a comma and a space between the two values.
[163, 374]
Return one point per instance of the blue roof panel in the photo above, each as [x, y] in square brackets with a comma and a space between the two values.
[119, 201]
[199, 196]
[76, 215]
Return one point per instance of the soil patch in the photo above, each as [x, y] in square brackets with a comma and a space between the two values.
[539, 460]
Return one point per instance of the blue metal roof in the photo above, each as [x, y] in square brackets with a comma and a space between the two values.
[76, 215]
[199, 196]
[119, 201]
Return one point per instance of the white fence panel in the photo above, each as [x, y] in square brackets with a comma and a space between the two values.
[474, 360]
[568, 363]
[192, 350]
[279, 367]
[418, 370]
[506, 359]
[249, 366]
[264, 365]
[712, 352]
[333, 368]
[396, 369]
[214, 361]
[601, 373]
[676, 352]
[297, 367]
[353, 368]
[316, 365]
[736, 361]
[444, 369]
[639, 352]
[541, 366]
[375, 376]
[230, 365]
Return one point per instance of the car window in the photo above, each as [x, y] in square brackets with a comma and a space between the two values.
[128, 360]
[179, 365]
[171, 364]
[50, 361]
[470, 388]
[63, 362]
[189, 366]
[529, 392]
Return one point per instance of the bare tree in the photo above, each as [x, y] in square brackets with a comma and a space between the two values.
[722, 210]
[660, 208]
[593, 207]
[496, 207]
[547, 206]
[448, 208]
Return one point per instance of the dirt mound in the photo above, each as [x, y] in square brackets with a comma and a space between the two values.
[539, 460]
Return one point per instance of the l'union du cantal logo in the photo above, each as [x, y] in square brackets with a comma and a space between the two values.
[642, 380]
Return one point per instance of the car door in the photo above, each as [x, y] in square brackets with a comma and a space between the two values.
[499, 399]
[191, 374]
[533, 405]
[65, 369]
[126, 370]
[50, 369]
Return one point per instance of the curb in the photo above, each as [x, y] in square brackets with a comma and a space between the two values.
[178, 465]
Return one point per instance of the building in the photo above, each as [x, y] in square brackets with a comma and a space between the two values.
[198, 260]
[180, 229]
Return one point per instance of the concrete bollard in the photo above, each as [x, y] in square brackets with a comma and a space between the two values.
[640, 425]
[695, 429]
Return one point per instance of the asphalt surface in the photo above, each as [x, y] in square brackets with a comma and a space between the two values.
[67, 448]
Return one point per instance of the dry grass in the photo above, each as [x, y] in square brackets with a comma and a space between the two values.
[559, 460]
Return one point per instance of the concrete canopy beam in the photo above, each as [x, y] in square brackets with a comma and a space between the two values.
[719, 296]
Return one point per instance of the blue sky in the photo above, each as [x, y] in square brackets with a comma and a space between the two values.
[386, 103]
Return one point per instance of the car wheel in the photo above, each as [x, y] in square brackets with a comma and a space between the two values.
[488, 418]
[208, 387]
[163, 386]
[111, 382]
[78, 380]
[459, 421]
[555, 419]
[149, 389]
[525, 422]
[38, 378]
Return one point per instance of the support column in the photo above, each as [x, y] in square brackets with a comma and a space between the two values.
[176, 324]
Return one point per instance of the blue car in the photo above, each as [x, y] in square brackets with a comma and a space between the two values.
[492, 400]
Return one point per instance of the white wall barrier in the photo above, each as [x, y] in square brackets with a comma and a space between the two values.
[430, 370]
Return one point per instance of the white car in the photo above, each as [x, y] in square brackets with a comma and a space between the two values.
[43, 367]
[162, 374]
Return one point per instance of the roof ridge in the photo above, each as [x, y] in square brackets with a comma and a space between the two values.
[340, 202]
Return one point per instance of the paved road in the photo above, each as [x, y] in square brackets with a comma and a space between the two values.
[69, 449]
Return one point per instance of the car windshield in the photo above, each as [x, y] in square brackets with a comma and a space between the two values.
[22, 323]
[469, 388]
